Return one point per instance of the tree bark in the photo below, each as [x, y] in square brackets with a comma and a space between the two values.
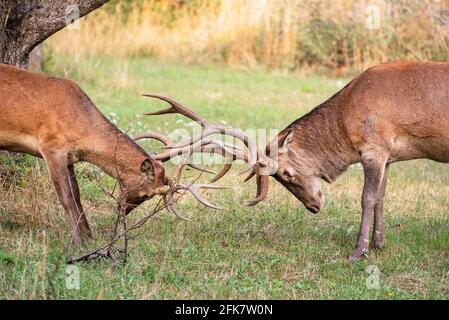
[26, 23]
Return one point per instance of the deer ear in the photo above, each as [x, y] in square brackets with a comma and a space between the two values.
[146, 166]
[286, 139]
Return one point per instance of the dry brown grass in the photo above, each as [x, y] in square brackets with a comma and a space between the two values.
[290, 34]
[27, 196]
[28, 199]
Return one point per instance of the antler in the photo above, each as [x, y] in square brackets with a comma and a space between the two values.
[208, 145]
[193, 188]
[264, 168]
[262, 187]
[168, 143]
[208, 128]
[259, 164]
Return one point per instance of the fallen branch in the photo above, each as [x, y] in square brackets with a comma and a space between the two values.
[107, 251]
[121, 231]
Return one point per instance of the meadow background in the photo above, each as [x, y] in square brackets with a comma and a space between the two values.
[252, 64]
[332, 36]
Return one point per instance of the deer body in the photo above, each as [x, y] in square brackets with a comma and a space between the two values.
[391, 112]
[53, 118]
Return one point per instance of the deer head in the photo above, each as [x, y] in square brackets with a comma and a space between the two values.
[142, 182]
[297, 173]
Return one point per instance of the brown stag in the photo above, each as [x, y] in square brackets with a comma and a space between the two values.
[52, 118]
[391, 112]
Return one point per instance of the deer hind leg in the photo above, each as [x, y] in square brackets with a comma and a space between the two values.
[378, 237]
[374, 164]
[59, 172]
[80, 213]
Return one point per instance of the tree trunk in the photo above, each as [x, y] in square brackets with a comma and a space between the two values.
[26, 23]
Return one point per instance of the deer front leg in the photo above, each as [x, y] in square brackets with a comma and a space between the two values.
[378, 230]
[59, 172]
[373, 166]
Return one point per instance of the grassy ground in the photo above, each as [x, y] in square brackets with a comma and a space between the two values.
[275, 250]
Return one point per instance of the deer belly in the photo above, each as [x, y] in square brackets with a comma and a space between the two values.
[436, 148]
[409, 148]
[404, 148]
[19, 143]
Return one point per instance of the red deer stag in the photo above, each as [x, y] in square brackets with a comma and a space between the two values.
[391, 112]
[54, 119]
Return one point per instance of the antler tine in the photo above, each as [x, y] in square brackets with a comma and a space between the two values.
[194, 189]
[238, 155]
[168, 198]
[196, 147]
[168, 143]
[172, 209]
[170, 205]
[175, 108]
[194, 166]
[251, 174]
[157, 136]
[248, 168]
[222, 173]
[205, 142]
[225, 152]
[262, 190]
[178, 170]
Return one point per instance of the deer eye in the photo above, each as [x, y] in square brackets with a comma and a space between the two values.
[287, 174]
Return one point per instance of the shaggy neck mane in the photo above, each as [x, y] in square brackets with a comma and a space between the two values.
[320, 135]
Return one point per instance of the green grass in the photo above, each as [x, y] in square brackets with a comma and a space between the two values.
[274, 250]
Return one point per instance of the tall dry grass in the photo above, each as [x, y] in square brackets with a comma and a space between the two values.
[290, 34]
[27, 197]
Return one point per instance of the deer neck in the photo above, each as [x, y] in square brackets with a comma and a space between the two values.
[115, 153]
[322, 140]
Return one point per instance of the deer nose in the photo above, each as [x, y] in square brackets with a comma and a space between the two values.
[314, 208]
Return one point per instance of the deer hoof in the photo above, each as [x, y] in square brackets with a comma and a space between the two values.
[358, 254]
[377, 245]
